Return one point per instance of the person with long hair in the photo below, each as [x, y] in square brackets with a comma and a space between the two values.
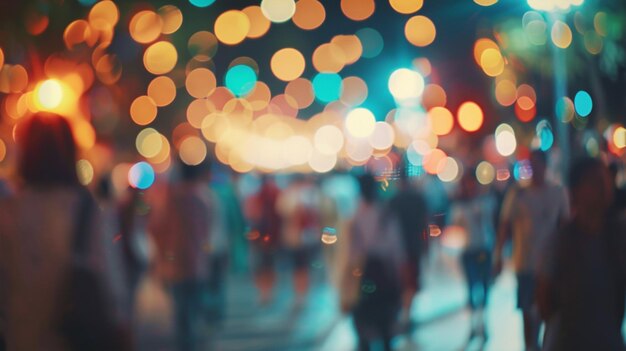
[39, 229]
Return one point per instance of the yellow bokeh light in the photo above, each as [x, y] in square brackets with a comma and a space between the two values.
[287, 64]
[200, 83]
[406, 6]
[619, 138]
[485, 173]
[470, 116]
[441, 120]
[76, 32]
[164, 152]
[232, 27]
[561, 35]
[486, 2]
[310, 14]
[143, 110]
[350, 47]
[480, 46]
[506, 92]
[84, 171]
[492, 62]
[198, 110]
[104, 15]
[328, 58]
[162, 90]
[358, 10]
[160, 57]
[145, 27]
[172, 18]
[192, 151]
[49, 94]
[420, 31]
[149, 143]
[259, 24]
[1, 58]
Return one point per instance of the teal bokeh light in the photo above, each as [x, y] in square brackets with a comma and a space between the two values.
[327, 87]
[201, 3]
[141, 175]
[240, 80]
[583, 103]
[87, 2]
[372, 42]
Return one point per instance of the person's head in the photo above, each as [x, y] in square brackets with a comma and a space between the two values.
[47, 152]
[538, 163]
[590, 186]
[368, 187]
[195, 173]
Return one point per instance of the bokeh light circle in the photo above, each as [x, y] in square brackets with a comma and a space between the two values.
[406, 84]
[240, 80]
[287, 64]
[162, 90]
[232, 27]
[470, 116]
[278, 11]
[141, 175]
[420, 31]
[360, 122]
[160, 57]
[327, 87]
[406, 6]
[583, 103]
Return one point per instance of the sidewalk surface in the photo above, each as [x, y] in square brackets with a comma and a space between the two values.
[439, 309]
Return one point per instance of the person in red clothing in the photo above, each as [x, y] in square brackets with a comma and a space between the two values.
[266, 225]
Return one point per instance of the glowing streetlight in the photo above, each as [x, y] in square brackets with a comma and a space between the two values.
[49, 94]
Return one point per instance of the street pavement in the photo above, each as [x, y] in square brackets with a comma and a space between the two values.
[317, 324]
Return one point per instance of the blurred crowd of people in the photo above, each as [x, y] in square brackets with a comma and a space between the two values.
[72, 260]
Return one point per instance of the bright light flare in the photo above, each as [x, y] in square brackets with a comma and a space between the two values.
[49, 94]
[406, 84]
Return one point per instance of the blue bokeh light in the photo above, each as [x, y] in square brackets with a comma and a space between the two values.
[240, 79]
[141, 175]
[583, 103]
[327, 87]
